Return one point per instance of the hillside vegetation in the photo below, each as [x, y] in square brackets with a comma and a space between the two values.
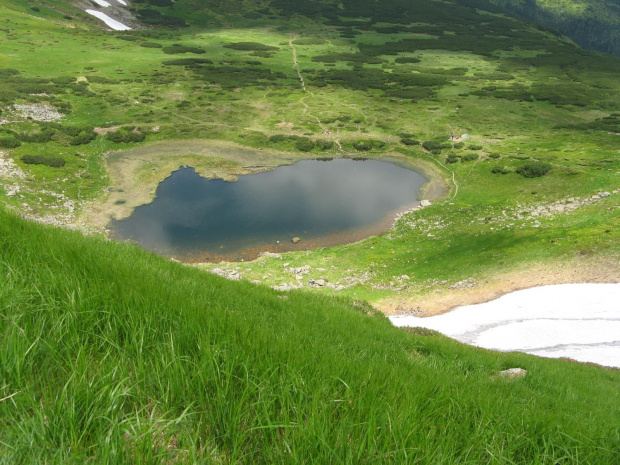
[387, 82]
[593, 24]
[113, 355]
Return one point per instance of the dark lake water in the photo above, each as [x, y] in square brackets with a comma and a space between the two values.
[321, 202]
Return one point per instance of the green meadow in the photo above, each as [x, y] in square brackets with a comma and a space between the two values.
[384, 88]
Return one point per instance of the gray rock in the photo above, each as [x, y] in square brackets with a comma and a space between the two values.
[425, 203]
[513, 373]
[296, 240]
[465, 136]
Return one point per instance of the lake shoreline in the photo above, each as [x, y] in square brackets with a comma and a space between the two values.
[136, 173]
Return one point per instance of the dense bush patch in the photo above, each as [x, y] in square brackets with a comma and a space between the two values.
[178, 48]
[125, 135]
[534, 169]
[500, 169]
[251, 47]
[9, 143]
[54, 162]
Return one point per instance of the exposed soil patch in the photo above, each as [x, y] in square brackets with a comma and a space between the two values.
[579, 270]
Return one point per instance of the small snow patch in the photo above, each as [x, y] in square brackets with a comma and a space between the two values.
[114, 24]
[102, 3]
[578, 321]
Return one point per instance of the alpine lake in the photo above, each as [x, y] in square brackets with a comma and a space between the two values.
[310, 204]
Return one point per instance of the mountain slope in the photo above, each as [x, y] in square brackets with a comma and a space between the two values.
[593, 24]
[115, 355]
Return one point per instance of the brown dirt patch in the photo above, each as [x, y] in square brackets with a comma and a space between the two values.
[104, 131]
[578, 270]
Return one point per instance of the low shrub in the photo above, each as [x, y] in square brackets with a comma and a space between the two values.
[9, 143]
[187, 62]
[497, 169]
[83, 138]
[494, 155]
[362, 146]
[251, 47]
[54, 162]
[474, 147]
[305, 145]
[39, 137]
[151, 45]
[431, 145]
[470, 157]
[408, 141]
[534, 169]
[178, 48]
[324, 144]
[125, 135]
[406, 60]
[452, 158]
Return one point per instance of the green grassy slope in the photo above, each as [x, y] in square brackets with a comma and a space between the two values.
[111, 354]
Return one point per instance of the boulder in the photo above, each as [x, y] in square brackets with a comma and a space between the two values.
[513, 373]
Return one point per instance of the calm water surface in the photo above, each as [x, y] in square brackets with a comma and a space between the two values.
[321, 202]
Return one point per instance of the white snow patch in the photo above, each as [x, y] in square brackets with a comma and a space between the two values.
[102, 3]
[114, 24]
[578, 321]
[122, 2]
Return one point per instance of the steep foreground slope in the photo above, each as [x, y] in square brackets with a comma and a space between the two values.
[115, 355]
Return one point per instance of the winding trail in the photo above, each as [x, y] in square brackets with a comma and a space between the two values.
[308, 93]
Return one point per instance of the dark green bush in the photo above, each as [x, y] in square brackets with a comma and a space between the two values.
[534, 169]
[362, 146]
[251, 47]
[459, 145]
[500, 169]
[470, 157]
[452, 158]
[309, 41]
[9, 143]
[494, 155]
[474, 147]
[408, 141]
[178, 48]
[151, 45]
[324, 144]
[125, 135]
[187, 62]
[431, 145]
[40, 137]
[54, 162]
[83, 138]
[305, 145]
[406, 60]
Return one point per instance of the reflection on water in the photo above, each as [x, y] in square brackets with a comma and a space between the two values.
[310, 200]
